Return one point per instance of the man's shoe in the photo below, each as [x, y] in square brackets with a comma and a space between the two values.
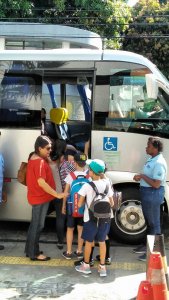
[140, 249]
[83, 268]
[102, 271]
[1, 247]
[67, 255]
[142, 257]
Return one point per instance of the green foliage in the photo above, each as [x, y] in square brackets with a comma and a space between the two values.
[148, 33]
[15, 9]
[107, 18]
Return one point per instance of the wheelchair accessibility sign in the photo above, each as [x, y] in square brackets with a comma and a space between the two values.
[110, 143]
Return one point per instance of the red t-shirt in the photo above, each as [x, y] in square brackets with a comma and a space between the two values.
[38, 168]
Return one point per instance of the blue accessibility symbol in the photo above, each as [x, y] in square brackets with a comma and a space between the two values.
[110, 143]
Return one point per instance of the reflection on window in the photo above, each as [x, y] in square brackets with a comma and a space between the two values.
[20, 100]
[136, 101]
[134, 97]
[128, 94]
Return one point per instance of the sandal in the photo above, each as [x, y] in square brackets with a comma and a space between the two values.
[45, 258]
[41, 252]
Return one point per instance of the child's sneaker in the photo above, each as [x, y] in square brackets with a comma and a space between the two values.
[102, 271]
[67, 255]
[83, 268]
[91, 263]
[107, 260]
[79, 255]
[60, 246]
[143, 257]
[141, 249]
[79, 262]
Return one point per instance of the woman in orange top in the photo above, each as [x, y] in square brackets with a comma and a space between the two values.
[41, 190]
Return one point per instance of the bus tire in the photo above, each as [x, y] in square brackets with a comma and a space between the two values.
[128, 225]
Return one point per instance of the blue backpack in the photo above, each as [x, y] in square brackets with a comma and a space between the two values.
[72, 201]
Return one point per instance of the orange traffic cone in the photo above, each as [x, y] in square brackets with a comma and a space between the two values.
[145, 291]
[156, 276]
[160, 247]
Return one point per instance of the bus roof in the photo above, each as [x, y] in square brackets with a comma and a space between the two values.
[76, 55]
[71, 54]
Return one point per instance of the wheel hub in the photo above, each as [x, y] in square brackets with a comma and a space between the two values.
[130, 217]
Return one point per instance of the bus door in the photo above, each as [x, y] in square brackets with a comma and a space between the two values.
[72, 89]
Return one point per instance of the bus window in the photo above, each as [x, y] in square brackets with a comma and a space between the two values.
[129, 100]
[20, 100]
[70, 92]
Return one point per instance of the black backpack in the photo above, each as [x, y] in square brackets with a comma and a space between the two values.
[100, 209]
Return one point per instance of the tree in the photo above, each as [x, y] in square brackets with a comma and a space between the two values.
[148, 33]
[107, 18]
[15, 10]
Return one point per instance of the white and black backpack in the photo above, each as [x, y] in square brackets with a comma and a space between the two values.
[100, 209]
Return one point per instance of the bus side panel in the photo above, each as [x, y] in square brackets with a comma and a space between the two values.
[17, 207]
[123, 151]
[127, 157]
[15, 148]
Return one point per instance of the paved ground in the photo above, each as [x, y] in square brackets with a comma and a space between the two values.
[23, 279]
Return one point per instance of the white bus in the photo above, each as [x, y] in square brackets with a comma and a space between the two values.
[116, 99]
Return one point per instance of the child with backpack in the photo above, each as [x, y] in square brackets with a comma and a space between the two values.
[74, 182]
[98, 199]
[107, 241]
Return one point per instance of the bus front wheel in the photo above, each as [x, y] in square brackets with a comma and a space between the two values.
[128, 225]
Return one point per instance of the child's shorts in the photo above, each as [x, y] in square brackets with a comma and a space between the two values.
[93, 231]
[73, 222]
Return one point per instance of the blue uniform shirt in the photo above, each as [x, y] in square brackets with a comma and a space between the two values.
[1, 175]
[155, 168]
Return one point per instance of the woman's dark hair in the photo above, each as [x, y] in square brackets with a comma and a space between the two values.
[157, 143]
[58, 149]
[44, 110]
[30, 155]
[43, 114]
[41, 141]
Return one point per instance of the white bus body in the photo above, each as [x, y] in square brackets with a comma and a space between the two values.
[129, 101]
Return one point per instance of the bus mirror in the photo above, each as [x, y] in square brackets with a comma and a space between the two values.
[152, 86]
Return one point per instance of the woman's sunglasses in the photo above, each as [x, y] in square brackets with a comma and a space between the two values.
[48, 148]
